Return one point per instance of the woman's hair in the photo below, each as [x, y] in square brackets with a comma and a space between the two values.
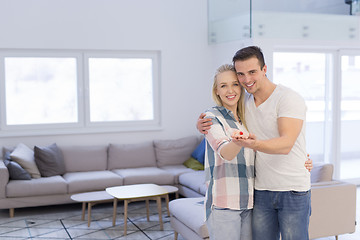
[217, 99]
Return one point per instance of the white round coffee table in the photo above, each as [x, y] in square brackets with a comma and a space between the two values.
[91, 198]
[137, 192]
[170, 189]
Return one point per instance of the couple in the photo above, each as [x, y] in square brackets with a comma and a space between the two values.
[274, 115]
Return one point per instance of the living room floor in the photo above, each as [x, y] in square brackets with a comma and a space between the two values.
[64, 222]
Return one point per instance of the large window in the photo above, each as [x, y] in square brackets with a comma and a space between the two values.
[120, 89]
[329, 83]
[350, 87]
[306, 73]
[350, 115]
[40, 90]
[81, 90]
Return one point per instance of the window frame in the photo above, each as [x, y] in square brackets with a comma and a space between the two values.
[333, 91]
[83, 125]
[329, 73]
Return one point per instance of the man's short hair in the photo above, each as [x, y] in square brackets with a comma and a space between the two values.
[249, 52]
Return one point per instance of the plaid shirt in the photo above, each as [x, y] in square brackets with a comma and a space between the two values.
[230, 183]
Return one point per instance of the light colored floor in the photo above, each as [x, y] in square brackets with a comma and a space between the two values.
[64, 222]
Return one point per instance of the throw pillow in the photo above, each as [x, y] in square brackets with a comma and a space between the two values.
[16, 172]
[7, 155]
[24, 156]
[174, 152]
[199, 152]
[49, 160]
[193, 164]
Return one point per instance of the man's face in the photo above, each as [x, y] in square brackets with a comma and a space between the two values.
[250, 74]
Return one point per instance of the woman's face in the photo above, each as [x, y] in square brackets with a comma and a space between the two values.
[228, 89]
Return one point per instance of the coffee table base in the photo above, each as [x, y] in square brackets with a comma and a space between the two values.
[90, 199]
[138, 192]
[126, 203]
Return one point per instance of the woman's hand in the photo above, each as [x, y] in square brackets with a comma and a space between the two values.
[244, 139]
[237, 134]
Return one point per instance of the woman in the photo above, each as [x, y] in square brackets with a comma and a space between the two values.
[229, 168]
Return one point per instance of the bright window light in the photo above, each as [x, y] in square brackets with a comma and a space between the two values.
[121, 89]
[40, 90]
[306, 74]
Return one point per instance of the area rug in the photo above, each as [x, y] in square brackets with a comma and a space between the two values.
[64, 222]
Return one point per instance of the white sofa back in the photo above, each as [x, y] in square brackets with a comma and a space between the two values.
[175, 151]
[131, 155]
[85, 158]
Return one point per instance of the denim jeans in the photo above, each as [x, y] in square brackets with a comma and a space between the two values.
[224, 223]
[286, 213]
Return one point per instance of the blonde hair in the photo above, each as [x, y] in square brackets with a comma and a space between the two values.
[217, 99]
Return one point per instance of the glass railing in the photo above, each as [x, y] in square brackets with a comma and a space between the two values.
[243, 19]
[314, 26]
[229, 20]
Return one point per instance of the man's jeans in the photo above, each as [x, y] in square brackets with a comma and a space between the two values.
[286, 212]
[224, 223]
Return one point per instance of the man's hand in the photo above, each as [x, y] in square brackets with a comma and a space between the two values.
[308, 164]
[203, 124]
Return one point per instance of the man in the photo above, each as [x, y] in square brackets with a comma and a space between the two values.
[275, 115]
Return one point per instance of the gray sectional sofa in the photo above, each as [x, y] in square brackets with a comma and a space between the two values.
[94, 168]
[333, 205]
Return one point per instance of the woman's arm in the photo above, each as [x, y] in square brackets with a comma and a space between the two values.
[229, 151]
[220, 142]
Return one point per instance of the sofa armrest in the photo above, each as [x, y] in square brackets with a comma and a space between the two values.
[333, 207]
[4, 179]
[322, 172]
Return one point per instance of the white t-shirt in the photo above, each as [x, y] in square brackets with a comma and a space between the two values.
[278, 172]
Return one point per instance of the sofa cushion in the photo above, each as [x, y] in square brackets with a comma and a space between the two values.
[24, 156]
[174, 152]
[91, 181]
[191, 213]
[36, 187]
[203, 189]
[176, 171]
[84, 158]
[145, 175]
[49, 160]
[131, 155]
[193, 180]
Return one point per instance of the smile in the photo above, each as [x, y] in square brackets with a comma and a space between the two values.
[250, 85]
[231, 97]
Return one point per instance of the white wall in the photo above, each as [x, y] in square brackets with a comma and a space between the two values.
[178, 29]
